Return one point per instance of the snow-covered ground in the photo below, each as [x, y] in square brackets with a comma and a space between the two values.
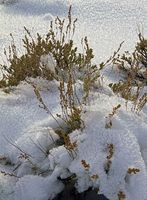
[26, 130]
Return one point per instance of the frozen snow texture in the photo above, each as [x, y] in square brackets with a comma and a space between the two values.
[37, 188]
[32, 151]
[49, 62]
[94, 150]
[128, 136]
[7, 185]
[92, 147]
[35, 143]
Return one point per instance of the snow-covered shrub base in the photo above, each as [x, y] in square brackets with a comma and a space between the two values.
[35, 145]
[93, 149]
[46, 161]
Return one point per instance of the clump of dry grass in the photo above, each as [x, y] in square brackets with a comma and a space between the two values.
[110, 148]
[121, 195]
[111, 115]
[133, 170]
[27, 65]
[134, 67]
[59, 45]
[67, 67]
[70, 105]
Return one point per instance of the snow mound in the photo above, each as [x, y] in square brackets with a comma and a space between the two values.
[31, 150]
[103, 158]
[6, 187]
[38, 188]
[94, 151]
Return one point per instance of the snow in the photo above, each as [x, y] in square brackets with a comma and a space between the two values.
[35, 187]
[48, 62]
[93, 148]
[29, 149]
[126, 154]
